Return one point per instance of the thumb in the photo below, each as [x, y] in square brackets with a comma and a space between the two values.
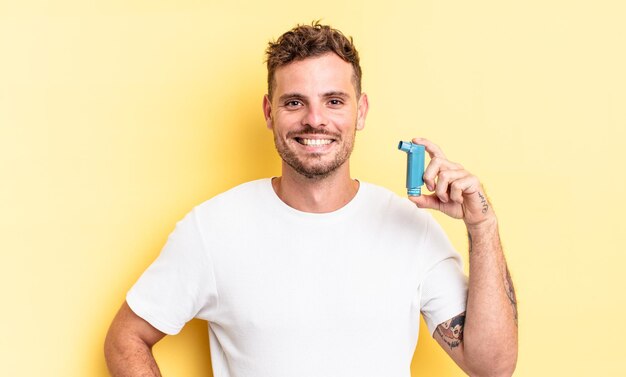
[426, 201]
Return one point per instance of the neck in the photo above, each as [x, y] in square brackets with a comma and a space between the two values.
[316, 195]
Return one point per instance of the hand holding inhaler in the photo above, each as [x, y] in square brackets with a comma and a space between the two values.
[456, 192]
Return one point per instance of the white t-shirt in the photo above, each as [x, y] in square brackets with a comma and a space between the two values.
[289, 293]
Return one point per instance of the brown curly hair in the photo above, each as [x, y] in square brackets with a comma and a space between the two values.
[305, 41]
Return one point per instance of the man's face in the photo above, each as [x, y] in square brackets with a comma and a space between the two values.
[314, 114]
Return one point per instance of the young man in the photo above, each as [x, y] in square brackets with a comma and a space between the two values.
[314, 273]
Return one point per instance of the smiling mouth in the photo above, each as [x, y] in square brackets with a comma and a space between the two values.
[313, 142]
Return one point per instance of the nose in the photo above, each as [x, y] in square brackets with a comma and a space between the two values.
[314, 116]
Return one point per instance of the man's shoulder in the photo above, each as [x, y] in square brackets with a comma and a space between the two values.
[387, 202]
[239, 196]
[381, 194]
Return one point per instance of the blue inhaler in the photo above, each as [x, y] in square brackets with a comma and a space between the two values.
[414, 167]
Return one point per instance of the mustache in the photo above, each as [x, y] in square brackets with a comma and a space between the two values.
[308, 130]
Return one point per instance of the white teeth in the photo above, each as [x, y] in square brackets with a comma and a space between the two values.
[316, 141]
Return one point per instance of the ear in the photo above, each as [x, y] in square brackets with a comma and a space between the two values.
[267, 111]
[363, 107]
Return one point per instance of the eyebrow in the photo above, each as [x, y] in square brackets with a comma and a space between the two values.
[290, 96]
[335, 93]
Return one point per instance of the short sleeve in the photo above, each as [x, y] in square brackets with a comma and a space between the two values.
[444, 285]
[180, 284]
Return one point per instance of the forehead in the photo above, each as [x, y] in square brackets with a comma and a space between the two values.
[323, 73]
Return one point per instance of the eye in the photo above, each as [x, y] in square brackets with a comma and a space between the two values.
[293, 103]
[335, 102]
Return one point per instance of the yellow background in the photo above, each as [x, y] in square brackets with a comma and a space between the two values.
[117, 117]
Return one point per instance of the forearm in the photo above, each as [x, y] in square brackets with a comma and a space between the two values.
[130, 358]
[490, 335]
[485, 341]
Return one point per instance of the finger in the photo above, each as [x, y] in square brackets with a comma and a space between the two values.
[457, 186]
[431, 173]
[426, 201]
[465, 186]
[432, 148]
[444, 179]
[433, 169]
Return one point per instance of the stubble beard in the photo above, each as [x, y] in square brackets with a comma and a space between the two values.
[313, 167]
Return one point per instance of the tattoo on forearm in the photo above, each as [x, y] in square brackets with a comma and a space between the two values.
[483, 200]
[469, 239]
[451, 331]
[510, 292]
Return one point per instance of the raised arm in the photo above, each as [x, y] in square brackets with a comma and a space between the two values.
[128, 345]
[483, 340]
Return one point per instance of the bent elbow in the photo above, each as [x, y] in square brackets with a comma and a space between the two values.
[501, 365]
[502, 368]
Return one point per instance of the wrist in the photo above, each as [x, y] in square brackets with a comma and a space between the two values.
[485, 226]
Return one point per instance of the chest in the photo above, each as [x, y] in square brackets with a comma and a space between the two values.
[325, 281]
